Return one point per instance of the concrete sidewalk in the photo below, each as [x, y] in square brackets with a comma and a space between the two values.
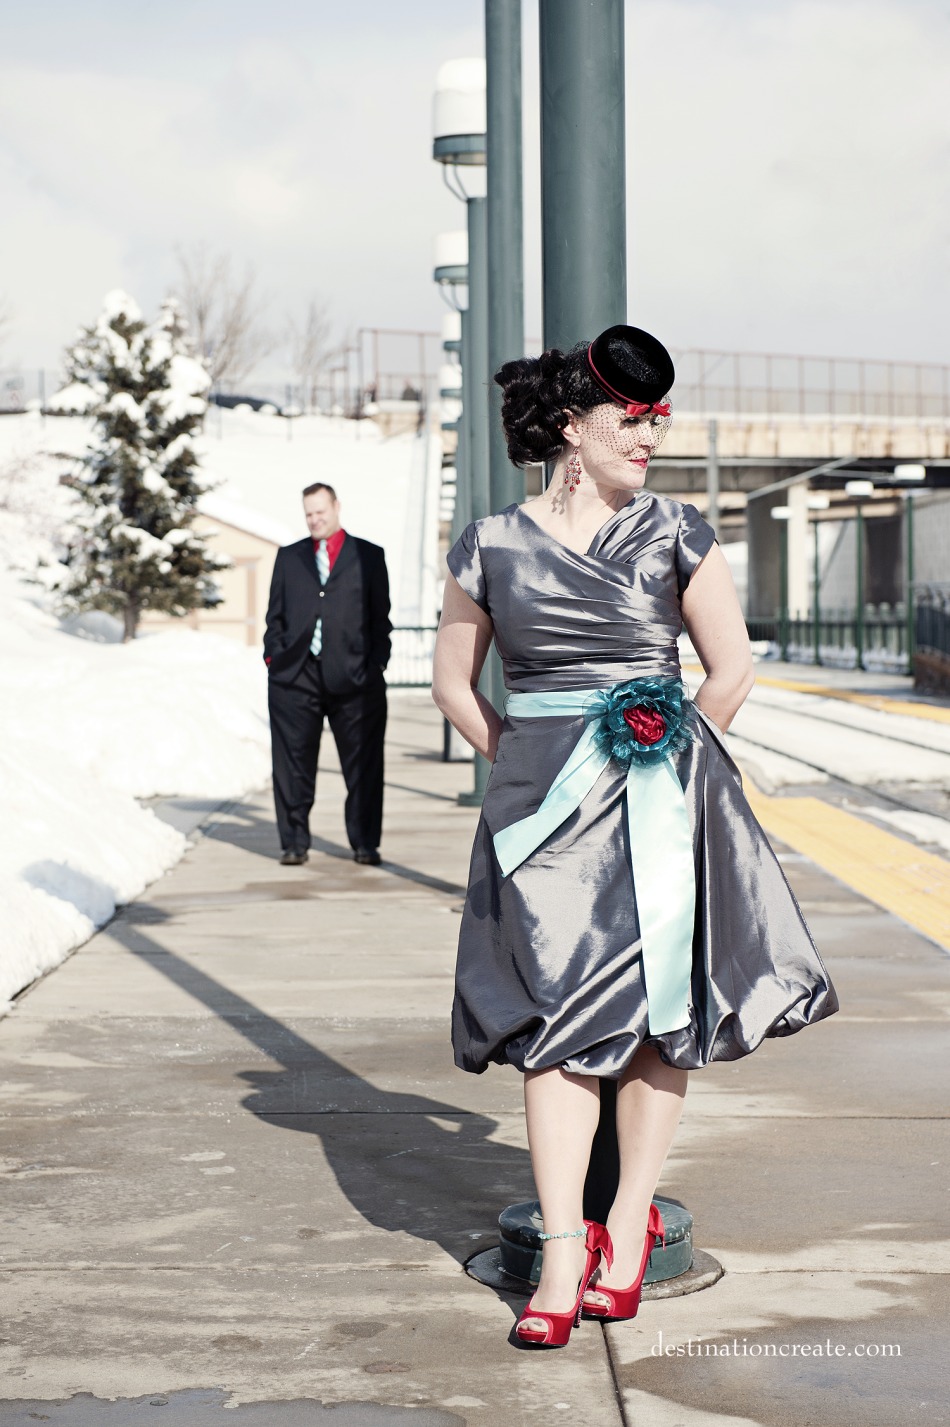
[245, 1170]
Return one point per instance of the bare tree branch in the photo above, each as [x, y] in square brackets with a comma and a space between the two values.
[308, 335]
[224, 314]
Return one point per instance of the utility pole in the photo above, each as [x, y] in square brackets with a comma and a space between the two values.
[583, 189]
[584, 259]
[505, 247]
[712, 475]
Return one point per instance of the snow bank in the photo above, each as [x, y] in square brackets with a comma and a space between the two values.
[86, 727]
[71, 850]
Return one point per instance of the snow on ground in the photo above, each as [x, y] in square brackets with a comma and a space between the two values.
[87, 725]
[769, 769]
[86, 728]
[863, 747]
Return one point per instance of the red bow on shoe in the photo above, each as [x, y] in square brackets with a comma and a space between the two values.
[598, 1240]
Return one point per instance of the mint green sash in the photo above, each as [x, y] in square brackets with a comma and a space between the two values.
[661, 850]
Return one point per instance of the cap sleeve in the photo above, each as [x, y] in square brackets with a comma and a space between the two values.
[694, 539]
[465, 562]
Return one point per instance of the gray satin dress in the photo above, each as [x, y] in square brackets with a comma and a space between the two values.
[549, 969]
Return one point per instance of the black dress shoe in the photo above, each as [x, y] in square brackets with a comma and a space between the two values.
[368, 856]
[293, 858]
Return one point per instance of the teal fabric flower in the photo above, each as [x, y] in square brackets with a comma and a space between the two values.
[642, 720]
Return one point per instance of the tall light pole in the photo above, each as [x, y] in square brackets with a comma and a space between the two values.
[584, 262]
[712, 474]
[782, 513]
[913, 472]
[459, 119]
[583, 190]
[451, 274]
[505, 229]
[816, 503]
[859, 491]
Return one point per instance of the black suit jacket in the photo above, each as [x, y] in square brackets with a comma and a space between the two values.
[354, 606]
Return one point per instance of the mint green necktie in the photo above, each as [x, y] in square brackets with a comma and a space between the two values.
[323, 572]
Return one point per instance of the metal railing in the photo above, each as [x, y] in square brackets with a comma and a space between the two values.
[881, 641]
[411, 664]
[772, 384]
[384, 365]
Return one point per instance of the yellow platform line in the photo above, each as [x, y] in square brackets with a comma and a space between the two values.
[893, 873]
[932, 712]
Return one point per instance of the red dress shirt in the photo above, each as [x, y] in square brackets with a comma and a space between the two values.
[334, 546]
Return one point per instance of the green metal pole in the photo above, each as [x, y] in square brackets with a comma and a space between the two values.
[505, 228]
[505, 239]
[817, 599]
[859, 589]
[462, 514]
[584, 266]
[583, 195]
[476, 399]
[479, 483]
[909, 593]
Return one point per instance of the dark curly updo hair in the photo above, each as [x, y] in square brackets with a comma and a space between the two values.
[539, 395]
[542, 393]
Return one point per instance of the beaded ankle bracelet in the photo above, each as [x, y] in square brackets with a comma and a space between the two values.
[570, 1234]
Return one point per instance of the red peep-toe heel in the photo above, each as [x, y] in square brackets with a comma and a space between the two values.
[558, 1326]
[624, 1302]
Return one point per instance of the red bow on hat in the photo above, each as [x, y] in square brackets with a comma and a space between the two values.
[641, 408]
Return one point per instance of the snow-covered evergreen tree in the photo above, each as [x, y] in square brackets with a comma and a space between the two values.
[135, 547]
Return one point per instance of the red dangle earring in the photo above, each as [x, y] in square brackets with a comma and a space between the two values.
[572, 476]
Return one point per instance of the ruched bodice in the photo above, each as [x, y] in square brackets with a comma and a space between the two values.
[550, 965]
[568, 621]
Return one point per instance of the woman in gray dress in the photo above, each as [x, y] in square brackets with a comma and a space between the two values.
[626, 917]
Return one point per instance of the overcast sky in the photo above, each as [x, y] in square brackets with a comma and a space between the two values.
[787, 163]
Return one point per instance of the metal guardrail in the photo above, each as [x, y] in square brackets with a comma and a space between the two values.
[881, 640]
[384, 364]
[410, 666]
[775, 384]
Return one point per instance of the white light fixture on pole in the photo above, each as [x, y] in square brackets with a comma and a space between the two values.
[458, 114]
[451, 259]
[452, 329]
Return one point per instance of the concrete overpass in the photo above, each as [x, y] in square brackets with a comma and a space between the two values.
[756, 422]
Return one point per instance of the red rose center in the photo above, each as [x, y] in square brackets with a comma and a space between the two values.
[646, 724]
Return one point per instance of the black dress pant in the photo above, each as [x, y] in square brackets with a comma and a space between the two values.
[358, 724]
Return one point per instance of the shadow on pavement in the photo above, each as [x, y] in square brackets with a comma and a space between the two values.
[245, 826]
[407, 1163]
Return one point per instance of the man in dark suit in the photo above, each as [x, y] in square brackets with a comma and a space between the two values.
[326, 645]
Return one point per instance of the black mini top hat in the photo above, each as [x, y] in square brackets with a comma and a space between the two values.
[633, 368]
